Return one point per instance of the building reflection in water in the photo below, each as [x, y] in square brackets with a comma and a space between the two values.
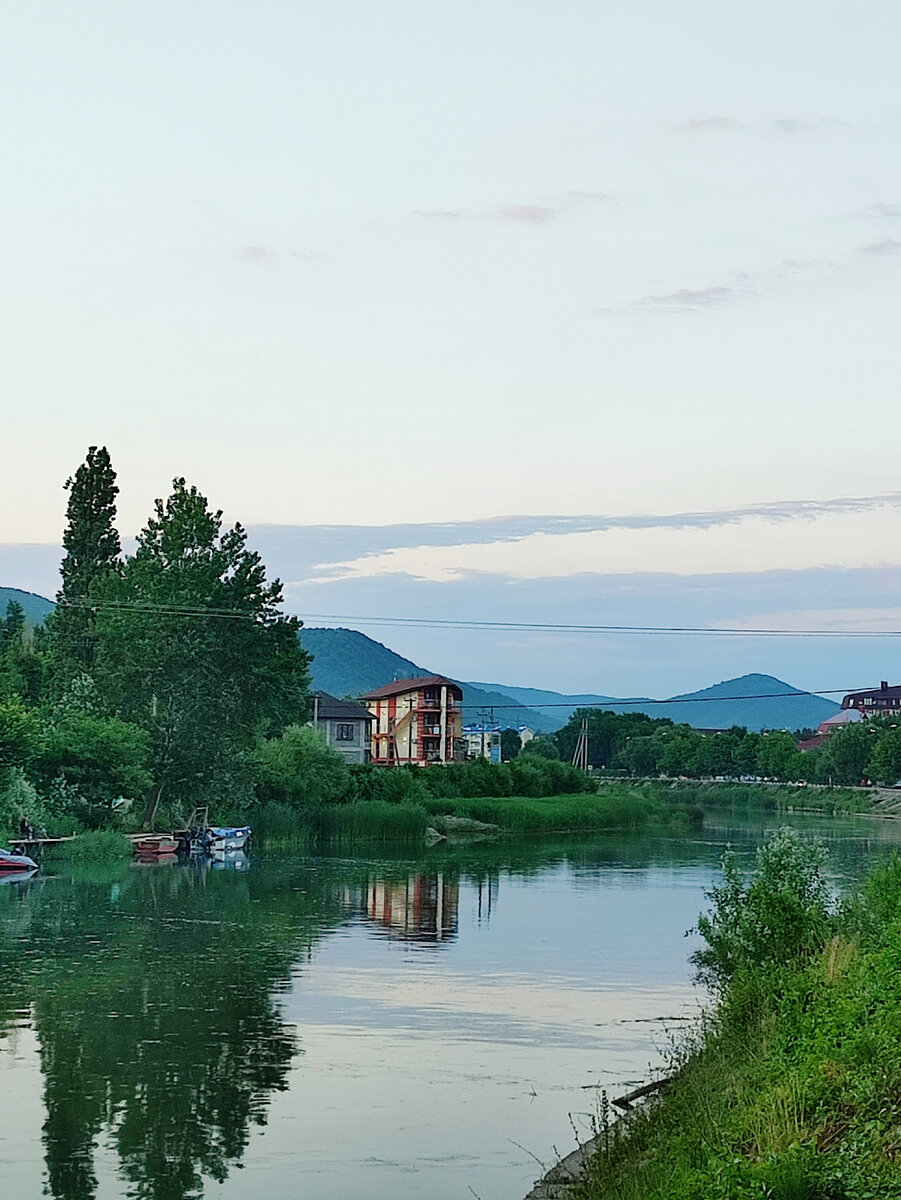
[422, 907]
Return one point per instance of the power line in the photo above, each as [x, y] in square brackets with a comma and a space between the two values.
[611, 704]
[475, 624]
[573, 627]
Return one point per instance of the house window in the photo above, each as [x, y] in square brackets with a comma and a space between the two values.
[344, 733]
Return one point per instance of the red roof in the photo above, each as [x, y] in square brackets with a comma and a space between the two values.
[419, 683]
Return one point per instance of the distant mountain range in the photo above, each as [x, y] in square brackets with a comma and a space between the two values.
[755, 701]
[348, 663]
[36, 607]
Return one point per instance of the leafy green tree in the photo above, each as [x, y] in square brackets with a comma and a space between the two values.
[540, 747]
[19, 734]
[885, 761]
[778, 757]
[511, 744]
[847, 753]
[745, 753]
[298, 768]
[643, 755]
[97, 760]
[192, 648]
[92, 553]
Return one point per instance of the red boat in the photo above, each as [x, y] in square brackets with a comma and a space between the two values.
[16, 862]
[155, 846]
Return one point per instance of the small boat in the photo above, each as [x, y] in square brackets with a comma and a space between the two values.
[155, 846]
[218, 837]
[16, 862]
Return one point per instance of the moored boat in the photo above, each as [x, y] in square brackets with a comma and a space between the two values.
[155, 846]
[16, 862]
[223, 838]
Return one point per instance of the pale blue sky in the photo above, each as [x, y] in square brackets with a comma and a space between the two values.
[371, 263]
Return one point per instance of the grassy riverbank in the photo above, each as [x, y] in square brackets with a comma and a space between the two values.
[769, 797]
[792, 1088]
[381, 821]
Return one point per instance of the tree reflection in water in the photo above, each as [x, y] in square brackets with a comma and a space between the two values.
[153, 1000]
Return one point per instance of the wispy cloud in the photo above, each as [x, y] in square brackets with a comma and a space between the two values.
[717, 123]
[883, 246]
[710, 124]
[843, 533]
[751, 544]
[795, 125]
[439, 214]
[527, 214]
[268, 254]
[694, 299]
[521, 212]
[882, 212]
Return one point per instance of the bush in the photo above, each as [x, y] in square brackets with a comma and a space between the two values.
[99, 846]
[300, 770]
[780, 914]
[18, 799]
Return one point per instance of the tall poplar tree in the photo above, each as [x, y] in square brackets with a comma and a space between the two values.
[92, 554]
[193, 648]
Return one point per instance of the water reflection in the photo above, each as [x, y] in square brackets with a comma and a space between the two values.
[166, 1000]
[422, 907]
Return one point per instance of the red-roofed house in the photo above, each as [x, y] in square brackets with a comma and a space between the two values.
[417, 721]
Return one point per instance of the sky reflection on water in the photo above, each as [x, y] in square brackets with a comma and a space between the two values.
[366, 1027]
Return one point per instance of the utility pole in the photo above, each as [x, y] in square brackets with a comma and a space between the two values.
[580, 754]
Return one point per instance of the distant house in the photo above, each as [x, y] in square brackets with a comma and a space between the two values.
[883, 701]
[482, 742]
[845, 716]
[417, 721]
[344, 725]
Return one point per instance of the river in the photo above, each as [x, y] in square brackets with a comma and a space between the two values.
[375, 1026]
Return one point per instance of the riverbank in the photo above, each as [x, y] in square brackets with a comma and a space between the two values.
[770, 797]
[791, 1087]
[373, 820]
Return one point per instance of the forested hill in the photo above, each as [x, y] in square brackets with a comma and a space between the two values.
[348, 663]
[732, 702]
[36, 607]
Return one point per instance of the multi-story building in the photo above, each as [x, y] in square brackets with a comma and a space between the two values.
[482, 741]
[883, 701]
[344, 725]
[417, 721]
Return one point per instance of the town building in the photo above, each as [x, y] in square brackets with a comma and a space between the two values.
[344, 725]
[416, 721]
[883, 701]
[482, 742]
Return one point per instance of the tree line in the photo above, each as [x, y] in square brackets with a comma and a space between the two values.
[159, 673]
[640, 745]
[169, 678]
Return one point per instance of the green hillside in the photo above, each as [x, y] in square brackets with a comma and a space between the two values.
[36, 607]
[348, 663]
[732, 702]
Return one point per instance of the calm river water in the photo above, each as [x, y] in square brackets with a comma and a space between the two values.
[369, 1027]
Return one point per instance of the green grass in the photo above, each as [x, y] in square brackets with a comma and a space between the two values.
[754, 796]
[792, 1088]
[98, 847]
[558, 814]
[385, 821]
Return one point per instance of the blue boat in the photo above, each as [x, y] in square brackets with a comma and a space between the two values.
[223, 838]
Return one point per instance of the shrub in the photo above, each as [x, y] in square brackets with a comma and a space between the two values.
[97, 847]
[781, 913]
[299, 769]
